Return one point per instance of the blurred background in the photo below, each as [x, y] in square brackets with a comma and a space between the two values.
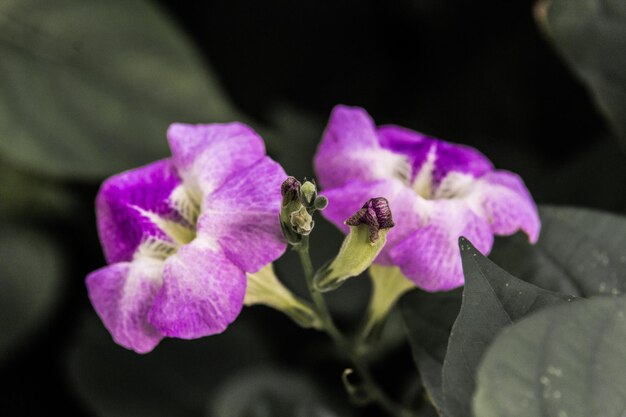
[88, 88]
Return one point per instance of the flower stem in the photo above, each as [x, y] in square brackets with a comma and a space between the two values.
[344, 344]
[328, 324]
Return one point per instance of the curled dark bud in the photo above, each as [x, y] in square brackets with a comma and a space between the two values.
[290, 190]
[375, 214]
[368, 235]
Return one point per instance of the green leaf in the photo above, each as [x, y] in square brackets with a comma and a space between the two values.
[564, 361]
[579, 252]
[265, 392]
[30, 284]
[26, 196]
[591, 36]
[90, 87]
[492, 299]
[177, 379]
[428, 319]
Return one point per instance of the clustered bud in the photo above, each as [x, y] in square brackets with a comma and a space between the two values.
[299, 203]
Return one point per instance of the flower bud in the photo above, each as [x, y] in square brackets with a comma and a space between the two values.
[368, 235]
[290, 190]
[376, 214]
[302, 221]
[308, 193]
[299, 203]
[320, 203]
[264, 288]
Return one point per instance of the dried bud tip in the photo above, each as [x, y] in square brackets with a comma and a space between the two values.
[290, 190]
[376, 214]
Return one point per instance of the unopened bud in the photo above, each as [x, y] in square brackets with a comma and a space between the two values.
[368, 235]
[376, 214]
[302, 221]
[299, 203]
[320, 203]
[308, 193]
[290, 190]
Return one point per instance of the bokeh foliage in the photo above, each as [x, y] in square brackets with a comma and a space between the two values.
[89, 88]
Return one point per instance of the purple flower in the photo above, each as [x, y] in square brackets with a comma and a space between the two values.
[437, 192]
[180, 234]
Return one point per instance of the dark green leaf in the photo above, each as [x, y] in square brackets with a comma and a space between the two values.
[269, 393]
[89, 87]
[564, 361]
[428, 318]
[579, 252]
[591, 36]
[492, 299]
[30, 284]
[23, 195]
[177, 379]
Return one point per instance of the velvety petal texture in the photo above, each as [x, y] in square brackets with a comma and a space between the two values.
[208, 155]
[180, 235]
[202, 292]
[350, 150]
[242, 216]
[437, 192]
[122, 295]
[430, 257]
[122, 204]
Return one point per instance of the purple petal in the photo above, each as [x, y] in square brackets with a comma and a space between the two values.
[451, 157]
[350, 151]
[121, 225]
[122, 295]
[405, 207]
[243, 216]
[202, 292]
[414, 145]
[430, 256]
[446, 157]
[508, 205]
[208, 155]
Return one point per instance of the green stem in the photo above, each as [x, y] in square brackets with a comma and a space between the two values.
[318, 299]
[344, 344]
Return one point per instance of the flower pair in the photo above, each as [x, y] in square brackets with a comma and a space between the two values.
[181, 234]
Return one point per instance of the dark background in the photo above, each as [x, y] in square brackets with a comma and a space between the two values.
[479, 73]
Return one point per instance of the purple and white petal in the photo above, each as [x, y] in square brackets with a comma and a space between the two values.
[431, 158]
[242, 216]
[206, 156]
[507, 204]
[430, 255]
[414, 145]
[350, 151]
[123, 202]
[202, 292]
[122, 295]
[452, 157]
